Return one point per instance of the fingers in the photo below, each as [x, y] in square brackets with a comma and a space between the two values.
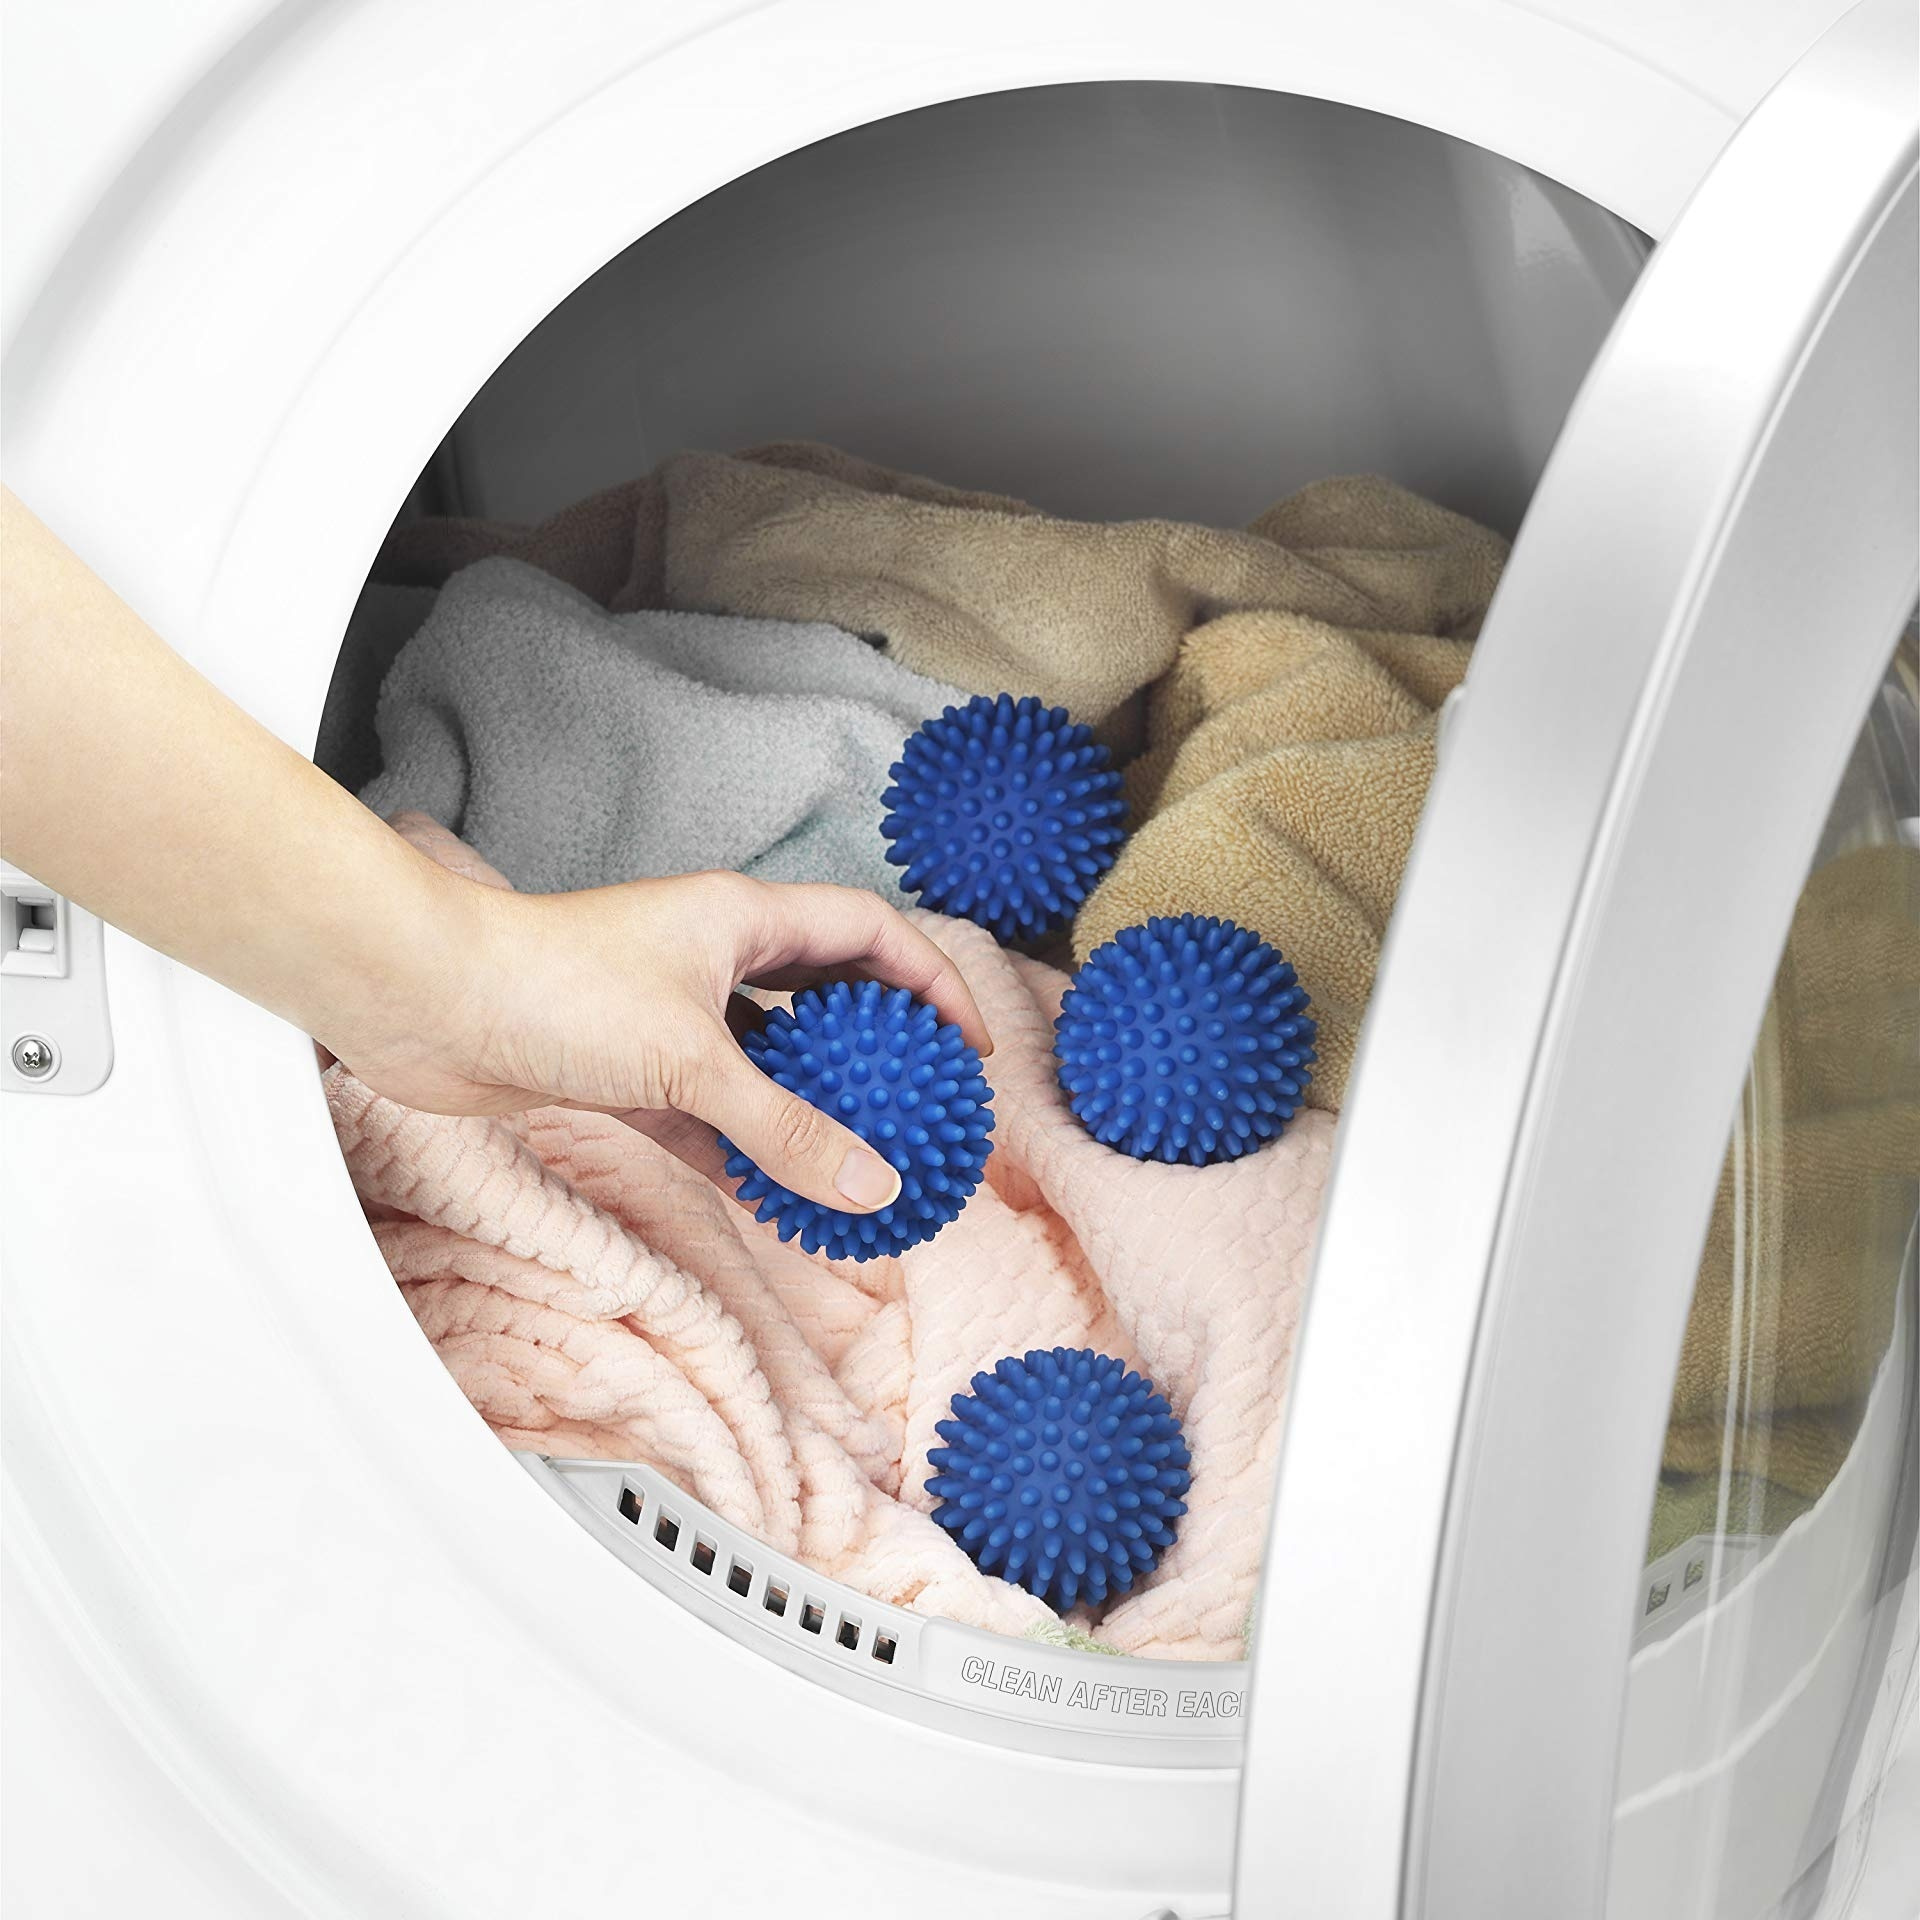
[813, 932]
[691, 1141]
[786, 1138]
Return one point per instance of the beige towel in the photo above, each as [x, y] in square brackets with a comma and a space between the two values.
[985, 592]
[1793, 1308]
[1288, 764]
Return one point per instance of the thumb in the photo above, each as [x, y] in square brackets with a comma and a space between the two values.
[791, 1141]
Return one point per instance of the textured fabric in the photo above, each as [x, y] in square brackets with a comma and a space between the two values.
[1289, 740]
[593, 1296]
[985, 592]
[576, 748]
[1288, 764]
[384, 619]
[1793, 1307]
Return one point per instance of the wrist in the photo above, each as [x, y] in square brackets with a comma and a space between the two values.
[414, 983]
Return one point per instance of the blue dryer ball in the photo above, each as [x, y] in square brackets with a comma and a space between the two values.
[1185, 1039]
[880, 1063]
[1004, 812]
[1063, 1473]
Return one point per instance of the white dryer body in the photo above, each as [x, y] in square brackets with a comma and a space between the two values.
[289, 1631]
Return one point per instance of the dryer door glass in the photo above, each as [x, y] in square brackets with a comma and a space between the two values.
[1699, 608]
[1773, 1626]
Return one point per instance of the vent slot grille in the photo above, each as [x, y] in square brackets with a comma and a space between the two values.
[887, 1655]
[772, 1595]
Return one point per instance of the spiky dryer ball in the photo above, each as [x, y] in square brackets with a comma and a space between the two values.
[1063, 1472]
[1186, 1040]
[881, 1063]
[1004, 812]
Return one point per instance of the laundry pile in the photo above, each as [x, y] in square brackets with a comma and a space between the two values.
[1274, 688]
[715, 666]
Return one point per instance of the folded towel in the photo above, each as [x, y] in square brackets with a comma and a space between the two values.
[575, 748]
[1793, 1308]
[1288, 764]
[593, 1296]
[986, 592]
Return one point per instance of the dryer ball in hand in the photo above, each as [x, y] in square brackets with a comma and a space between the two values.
[1185, 1040]
[1004, 812]
[1063, 1472]
[881, 1064]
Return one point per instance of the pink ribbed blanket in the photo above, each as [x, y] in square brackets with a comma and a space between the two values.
[594, 1296]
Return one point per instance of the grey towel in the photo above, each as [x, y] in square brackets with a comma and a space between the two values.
[383, 620]
[573, 747]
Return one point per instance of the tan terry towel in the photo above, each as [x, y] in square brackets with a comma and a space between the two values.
[1288, 759]
[1794, 1305]
[985, 592]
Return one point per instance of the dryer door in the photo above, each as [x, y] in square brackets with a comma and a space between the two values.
[1700, 606]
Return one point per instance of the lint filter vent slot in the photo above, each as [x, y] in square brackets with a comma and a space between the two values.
[816, 1626]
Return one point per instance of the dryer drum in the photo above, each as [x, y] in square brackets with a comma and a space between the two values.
[1108, 303]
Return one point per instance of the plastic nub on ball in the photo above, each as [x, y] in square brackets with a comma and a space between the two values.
[882, 1064]
[1063, 1472]
[1185, 1040]
[1004, 812]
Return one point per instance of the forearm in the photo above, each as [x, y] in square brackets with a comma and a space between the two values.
[110, 743]
[134, 787]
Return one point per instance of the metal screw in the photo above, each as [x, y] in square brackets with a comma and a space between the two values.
[34, 1058]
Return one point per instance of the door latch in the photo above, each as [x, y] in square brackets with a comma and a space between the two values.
[54, 1035]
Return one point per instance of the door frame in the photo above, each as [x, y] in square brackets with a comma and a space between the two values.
[1714, 570]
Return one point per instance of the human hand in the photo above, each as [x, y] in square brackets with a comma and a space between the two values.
[622, 999]
[139, 790]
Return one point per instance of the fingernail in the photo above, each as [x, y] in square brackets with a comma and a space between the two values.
[866, 1179]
